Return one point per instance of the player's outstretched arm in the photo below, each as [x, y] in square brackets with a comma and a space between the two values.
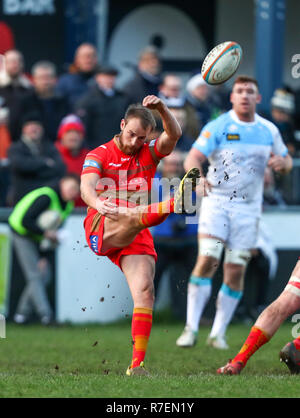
[172, 130]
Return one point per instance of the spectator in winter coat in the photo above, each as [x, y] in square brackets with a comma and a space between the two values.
[170, 91]
[70, 144]
[75, 83]
[102, 108]
[35, 161]
[14, 85]
[185, 142]
[198, 95]
[282, 114]
[147, 78]
[43, 99]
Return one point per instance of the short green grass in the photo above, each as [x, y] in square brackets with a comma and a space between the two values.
[90, 361]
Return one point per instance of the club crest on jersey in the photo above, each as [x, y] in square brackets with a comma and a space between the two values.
[94, 243]
[206, 134]
[233, 137]
[232, 128]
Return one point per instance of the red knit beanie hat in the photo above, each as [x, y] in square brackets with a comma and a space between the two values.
[68, 123]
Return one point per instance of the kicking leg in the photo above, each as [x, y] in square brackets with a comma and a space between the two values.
[121, 232]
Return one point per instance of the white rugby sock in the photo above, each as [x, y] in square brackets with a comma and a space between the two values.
[227, 302]
[199, 291]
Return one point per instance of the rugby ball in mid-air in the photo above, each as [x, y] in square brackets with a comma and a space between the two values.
[221, 62]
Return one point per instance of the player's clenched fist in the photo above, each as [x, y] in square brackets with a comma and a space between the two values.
[153, 102]
[277, 162]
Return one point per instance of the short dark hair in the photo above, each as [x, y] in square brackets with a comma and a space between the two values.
[139, 111]
[245, 79]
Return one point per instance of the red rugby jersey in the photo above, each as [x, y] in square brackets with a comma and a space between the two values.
[126, 178]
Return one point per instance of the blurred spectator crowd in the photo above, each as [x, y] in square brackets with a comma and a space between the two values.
[49, 121]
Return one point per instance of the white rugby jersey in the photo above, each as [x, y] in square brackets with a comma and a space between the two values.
[238, 153]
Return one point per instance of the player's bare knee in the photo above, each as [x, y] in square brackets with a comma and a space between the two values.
[146, 293]
[210, 252]
[205, 266]
[233, 274]
[290, 299]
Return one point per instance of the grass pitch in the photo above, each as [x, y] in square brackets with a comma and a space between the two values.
[90, 361]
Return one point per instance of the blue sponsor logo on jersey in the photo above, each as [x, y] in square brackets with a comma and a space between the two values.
[94, 243]
[91, 163]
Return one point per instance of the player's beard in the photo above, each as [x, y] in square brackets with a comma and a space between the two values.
[127, 149]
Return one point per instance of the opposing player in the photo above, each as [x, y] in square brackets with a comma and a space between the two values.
[238, 144]
[115, 176]
[266, 326]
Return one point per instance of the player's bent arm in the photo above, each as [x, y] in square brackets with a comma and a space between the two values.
[172, 131]
[88, 189]
[195, 158]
